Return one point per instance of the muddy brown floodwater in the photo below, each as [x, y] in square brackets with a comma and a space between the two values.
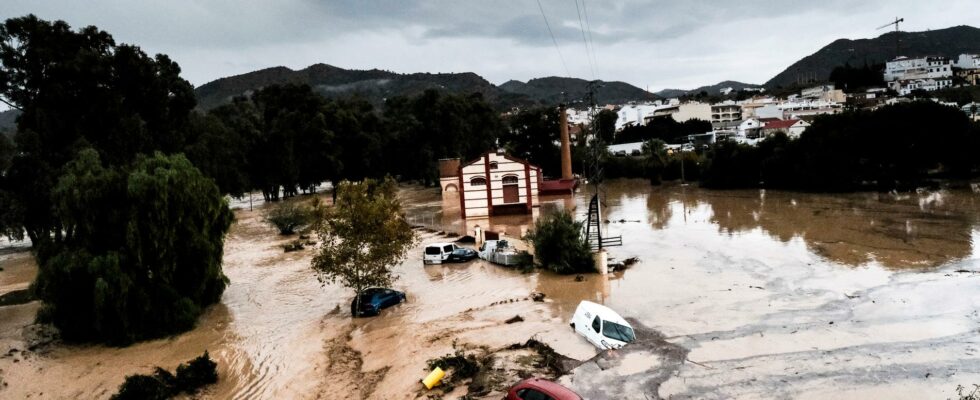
[738, 294]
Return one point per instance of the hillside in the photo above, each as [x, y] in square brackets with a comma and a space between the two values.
[710, 89]
[554, 89]
[950, 42]
[8, 122]
[376, 85]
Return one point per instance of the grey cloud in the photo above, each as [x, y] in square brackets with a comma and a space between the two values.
[657, 42]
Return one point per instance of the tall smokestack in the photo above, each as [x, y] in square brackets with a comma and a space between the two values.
[566, 144]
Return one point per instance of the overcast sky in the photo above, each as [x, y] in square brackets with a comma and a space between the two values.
[650, 44]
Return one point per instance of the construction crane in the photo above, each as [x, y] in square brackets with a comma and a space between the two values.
[896, 22]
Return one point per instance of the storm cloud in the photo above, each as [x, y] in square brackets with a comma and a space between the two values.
[650, 44]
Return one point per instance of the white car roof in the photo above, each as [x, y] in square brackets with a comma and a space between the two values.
[606, 313]
[438, 244]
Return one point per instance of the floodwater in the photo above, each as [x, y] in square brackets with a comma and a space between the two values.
[756, 294]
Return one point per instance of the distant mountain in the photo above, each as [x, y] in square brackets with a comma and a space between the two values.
[711, 90]
[949, 42]
[552, 90]
[8, 122]
[376, 85]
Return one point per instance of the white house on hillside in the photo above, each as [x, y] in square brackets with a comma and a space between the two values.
[904, 68]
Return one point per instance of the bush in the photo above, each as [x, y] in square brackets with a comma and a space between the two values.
[289, 217]
[141, 256]
[162, 384]
[158, 386]
[559, 245]
[463, 366]
[196, 373]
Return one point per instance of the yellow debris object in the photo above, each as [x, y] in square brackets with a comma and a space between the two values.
[433, 378]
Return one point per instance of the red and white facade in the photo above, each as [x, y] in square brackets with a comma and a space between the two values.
[497, 184]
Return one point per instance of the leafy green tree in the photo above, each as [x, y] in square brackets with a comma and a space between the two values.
[141, 252]
[666, 129]
[220, 152]
[79, 89]
[9, 216]
[289, 217]
[293, 148]
[559, 245]
[893, 147]
[363, 236]
[534, 136]
[606, 120]
[852, 79]
[364, 141]
[655, 151]
[435, 125]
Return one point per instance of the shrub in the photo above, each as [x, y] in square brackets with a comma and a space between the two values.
[288, 217]
[162, 384]
[158, 386]
[559, 245]
[196, 373]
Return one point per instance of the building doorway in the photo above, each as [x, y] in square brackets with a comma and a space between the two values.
[512, 192]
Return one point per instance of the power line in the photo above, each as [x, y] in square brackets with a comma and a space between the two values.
[588, 27]
[553, 40]
[588, 50]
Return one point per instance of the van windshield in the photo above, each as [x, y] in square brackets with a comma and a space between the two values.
[432, 250]
[616, 331]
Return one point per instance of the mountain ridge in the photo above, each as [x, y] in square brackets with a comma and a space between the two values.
[816, 67]
[711, 89]
[376, 85]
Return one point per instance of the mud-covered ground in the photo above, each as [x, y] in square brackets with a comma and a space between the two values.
[738, 294]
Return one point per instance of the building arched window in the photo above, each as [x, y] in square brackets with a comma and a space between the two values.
[478, 181]
[493, 165]
[510, 180]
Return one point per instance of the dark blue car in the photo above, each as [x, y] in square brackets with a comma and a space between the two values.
[462, 254]
[373, 300]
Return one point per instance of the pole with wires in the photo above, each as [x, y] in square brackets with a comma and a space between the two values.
[554, 40]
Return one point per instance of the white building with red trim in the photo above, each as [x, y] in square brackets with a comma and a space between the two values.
[497, 184]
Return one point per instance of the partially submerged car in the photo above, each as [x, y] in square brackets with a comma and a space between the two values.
[462, 254]
[438, 253]
[373, 300]
[602, 326]
[540, 389]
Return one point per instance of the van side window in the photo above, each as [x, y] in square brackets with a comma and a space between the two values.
[596, 323]
[448, 248]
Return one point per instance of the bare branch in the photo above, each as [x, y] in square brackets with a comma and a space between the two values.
[11, 105]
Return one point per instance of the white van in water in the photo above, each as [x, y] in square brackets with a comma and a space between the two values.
[436, 253]
[601, 326]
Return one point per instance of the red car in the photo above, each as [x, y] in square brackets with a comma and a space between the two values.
[540, 389]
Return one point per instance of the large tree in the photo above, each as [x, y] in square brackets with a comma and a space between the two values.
[364, 235]
[9, 216]
[534, 136]
[286, 135]
[141, 253]
[76, 90]
[436, 125]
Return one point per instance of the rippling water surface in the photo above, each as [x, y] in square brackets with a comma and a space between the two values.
[748, 281]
